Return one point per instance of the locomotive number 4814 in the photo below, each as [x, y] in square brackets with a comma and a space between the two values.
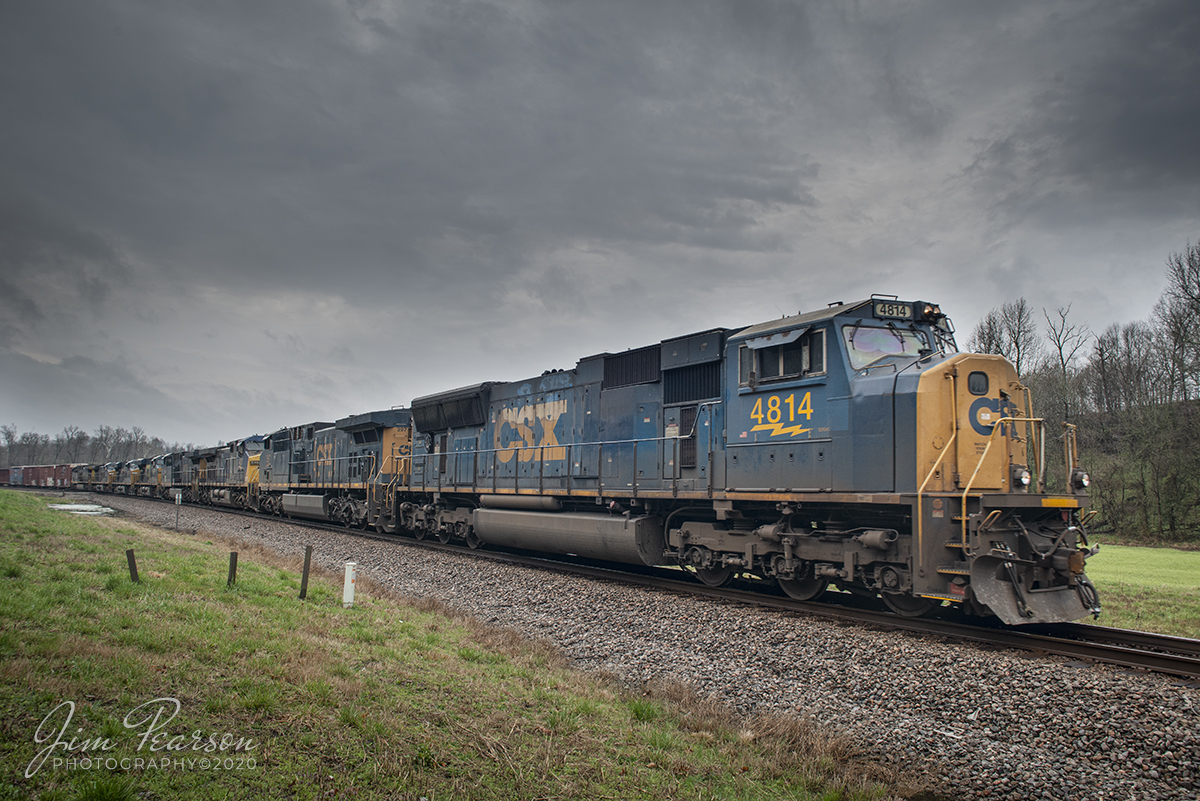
[896, 311]
[769, 417]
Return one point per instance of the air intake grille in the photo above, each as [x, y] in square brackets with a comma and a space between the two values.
[641, 366]
[687, 446]
[694, 383]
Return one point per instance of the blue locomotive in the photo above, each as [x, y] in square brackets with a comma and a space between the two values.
[853, 445]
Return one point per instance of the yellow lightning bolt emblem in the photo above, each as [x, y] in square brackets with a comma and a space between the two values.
[779, 428]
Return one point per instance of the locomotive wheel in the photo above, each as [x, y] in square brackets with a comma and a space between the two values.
[907, 605]
[803, 589]
[714, 576]
[420, 533]
[473, 541]
[444, 535]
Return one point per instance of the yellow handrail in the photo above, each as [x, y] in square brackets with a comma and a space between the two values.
[983, 457]
[921, 491]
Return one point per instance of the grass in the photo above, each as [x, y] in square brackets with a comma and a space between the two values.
[393, 698]
[1151, 589]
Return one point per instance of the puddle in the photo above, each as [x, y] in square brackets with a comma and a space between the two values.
[82, 508]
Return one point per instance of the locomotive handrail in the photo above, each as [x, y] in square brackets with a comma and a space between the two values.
[569, 448]
[318, 466]
[1070, 450]
[999, 424]
[921, 491]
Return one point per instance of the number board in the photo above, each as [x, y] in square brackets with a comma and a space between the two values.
[896, 311]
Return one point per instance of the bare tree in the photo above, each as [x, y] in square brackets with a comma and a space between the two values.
[138, 442]
[1176, 323]
[1010, 331]
[10, 436]
[33, 448]
[1123, 368]
[1066, 341]
[1020, 334]
[76, 440]
[1178, 315]
[101, 444]
[1183, 277]
[988, 336]
[73, 444]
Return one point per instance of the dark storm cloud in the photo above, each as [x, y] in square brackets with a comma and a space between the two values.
[1112, 126]
[286, 143]
[275, 211]
[1130, 120]
[46, 263]
[113, 390]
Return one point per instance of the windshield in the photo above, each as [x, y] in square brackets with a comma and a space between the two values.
[869, 344]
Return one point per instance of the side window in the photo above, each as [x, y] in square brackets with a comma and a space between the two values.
[814, 354]
[800, 359]
[746, 358]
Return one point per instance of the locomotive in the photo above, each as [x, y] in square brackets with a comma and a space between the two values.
[853, 446]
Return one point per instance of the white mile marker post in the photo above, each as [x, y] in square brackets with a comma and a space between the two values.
[348, 587]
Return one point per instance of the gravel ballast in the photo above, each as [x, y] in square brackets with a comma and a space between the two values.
[987, 723]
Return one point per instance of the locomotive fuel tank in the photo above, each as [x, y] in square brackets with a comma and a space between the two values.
[613, 538]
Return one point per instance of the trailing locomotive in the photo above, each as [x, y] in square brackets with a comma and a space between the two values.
[852, 446]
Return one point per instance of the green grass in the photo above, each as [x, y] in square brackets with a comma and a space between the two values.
[393, 698]
[1151, 589]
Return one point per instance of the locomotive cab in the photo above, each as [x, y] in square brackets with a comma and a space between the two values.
[903, 468]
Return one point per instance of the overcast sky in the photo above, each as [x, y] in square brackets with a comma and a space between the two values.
[218, 218]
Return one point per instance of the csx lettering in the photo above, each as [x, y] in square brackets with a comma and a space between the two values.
[325, 454]
[529, 431]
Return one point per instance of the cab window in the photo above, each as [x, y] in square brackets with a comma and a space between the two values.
[800, 359]
[867, 344]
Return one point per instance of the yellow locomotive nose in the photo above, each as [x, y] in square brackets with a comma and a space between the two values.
[983, 516]
[963, 404]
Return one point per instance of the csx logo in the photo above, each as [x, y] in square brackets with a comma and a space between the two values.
[529, 431]
[986, 411]
[324, 454]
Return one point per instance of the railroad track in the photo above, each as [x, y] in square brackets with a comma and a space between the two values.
[1159, 653]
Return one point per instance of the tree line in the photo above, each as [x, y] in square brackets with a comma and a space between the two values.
[73, 445]
[1133, 392]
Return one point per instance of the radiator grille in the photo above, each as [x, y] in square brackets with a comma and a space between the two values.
[693, 383]
[687, 446]
[641, 366]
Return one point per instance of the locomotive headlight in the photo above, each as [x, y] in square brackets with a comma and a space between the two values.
[1080, 480]
[1021, 478]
